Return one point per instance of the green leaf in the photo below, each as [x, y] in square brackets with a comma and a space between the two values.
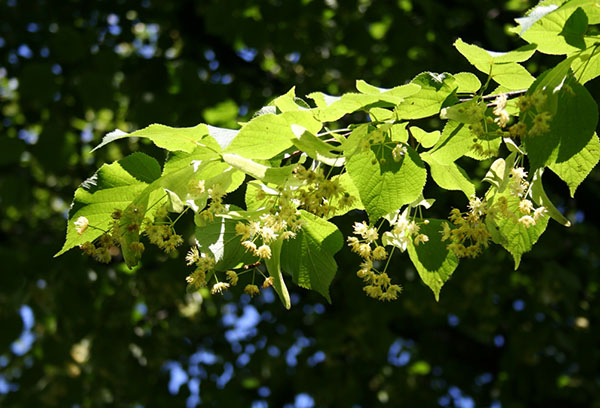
[262, 138]
[482, 59]
[554, 77]
[456, 140]
[434, 263]
[114, 186]
[450, 176]
[166, 137]
[545, 26]
[179, 183]
[470, 111]
[574, 118]
[177, 160]
[575, 28]
[219, 238]
[253, 188]
[541, 199]
[276, 175]
[533, 16]
[510, 233]
[499, 174]
[317, 149]
[332, 108]
[435, 90]
[512, 76]
[385, 185]
[309, 257]
[175, 202]
[503, 67]
[393, 96]
[349, 187]
[575, 169]
[268, 135]
[467, 82]
[273, 265]
[586, 65]
[287, 101]
[381, 114]
[426, 139]
[222, 136]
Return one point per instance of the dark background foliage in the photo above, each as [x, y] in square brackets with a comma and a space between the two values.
[76, 333]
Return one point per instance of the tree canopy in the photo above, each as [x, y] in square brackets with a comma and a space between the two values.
[78, 333]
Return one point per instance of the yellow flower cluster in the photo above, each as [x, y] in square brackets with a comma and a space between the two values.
[519, 187]
[163, 236]
[269, 227]
[232, 277]
[403, 230]
[317, 192]
[469, 233]
[251, 290]
[502, 116]
[101, 250]
[219, 288]
[216, 193]
[377, 284]
[531, 106]
[205, 264]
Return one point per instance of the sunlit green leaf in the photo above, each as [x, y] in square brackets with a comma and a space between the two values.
[575, 169]
[449, 176]
[574, 115]
[273, 265]
[309, 257]
[435, 90]
[434, 263]
[114, 186]
[166, 137]
[385, 185]
[514, 236]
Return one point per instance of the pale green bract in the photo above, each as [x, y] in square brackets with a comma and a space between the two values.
[368, 152]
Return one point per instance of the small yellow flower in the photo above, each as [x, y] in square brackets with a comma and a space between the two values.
[518, 173]
[102, 255]
[364, 250]
[539, 213]
[198, 187]
[268, 234]
[288, 234]
[476, 205]
[421, 238]
[206, 262]
[379, 254]
[251, 290]
[360, 228]
[446, 230]
[264, 251]
[88, 248]
[371, 235]
[525, 206]
[398, 152]
[250, 246]
[268, 282]
[527, 221]
[81, 225]
[232, 277]
[192, 256]
[243, 230]
[219, 287]
[137, 247]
